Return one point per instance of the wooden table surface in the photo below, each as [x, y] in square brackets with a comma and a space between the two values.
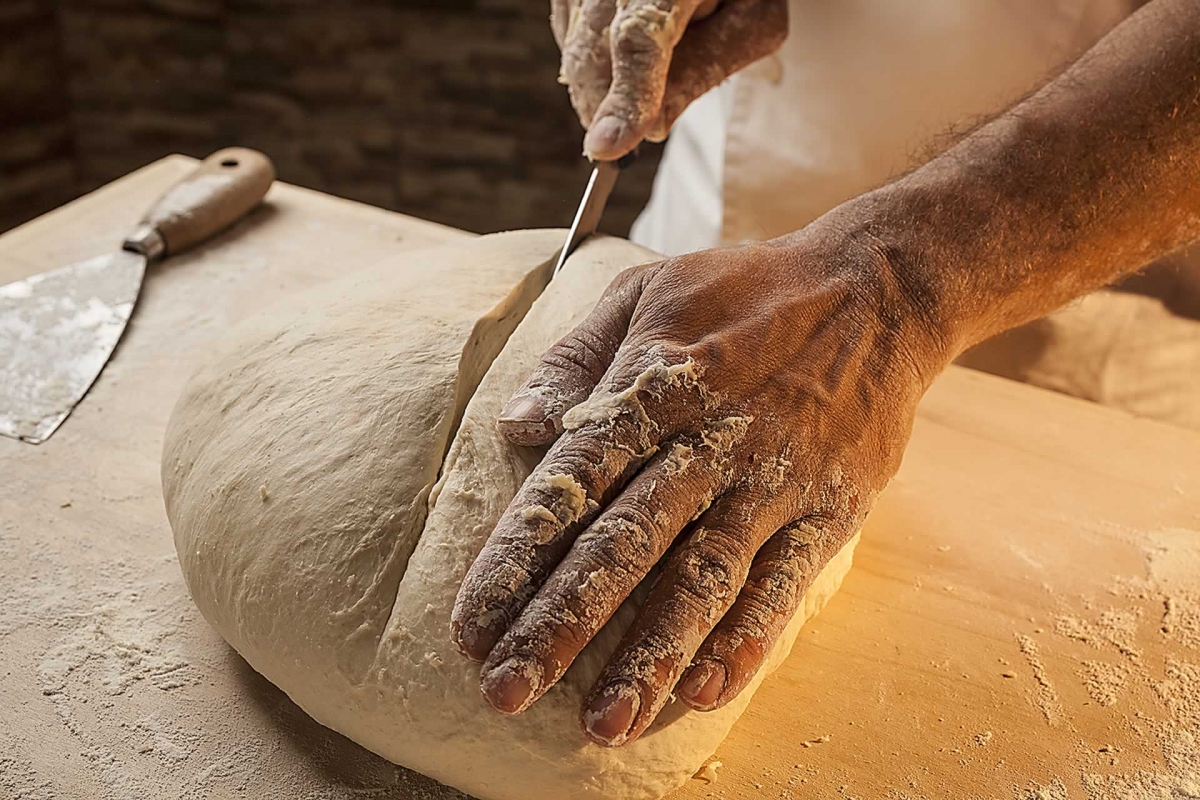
[1022, 620]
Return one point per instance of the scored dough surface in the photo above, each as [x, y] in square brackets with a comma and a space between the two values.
[299, 471]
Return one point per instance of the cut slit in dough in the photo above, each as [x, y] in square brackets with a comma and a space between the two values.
[338, 584]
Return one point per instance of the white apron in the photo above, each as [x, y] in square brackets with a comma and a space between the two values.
[858, 93]
[863, 90]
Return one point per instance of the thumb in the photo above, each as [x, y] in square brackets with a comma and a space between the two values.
[570, 370]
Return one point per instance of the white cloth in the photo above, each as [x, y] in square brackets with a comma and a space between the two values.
[685, 210]
[857, 94]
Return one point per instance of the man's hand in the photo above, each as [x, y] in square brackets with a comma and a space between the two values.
[632, 67]
[734, 412]
[743, 406]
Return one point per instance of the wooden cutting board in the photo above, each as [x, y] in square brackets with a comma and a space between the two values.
[1022, 620]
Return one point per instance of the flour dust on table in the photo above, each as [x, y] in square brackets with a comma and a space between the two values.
[334, 467]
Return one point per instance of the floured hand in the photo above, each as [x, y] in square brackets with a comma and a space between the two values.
[730, 413]
[632, 67]
[737, 410]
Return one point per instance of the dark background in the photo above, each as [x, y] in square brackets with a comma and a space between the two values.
[447, 110]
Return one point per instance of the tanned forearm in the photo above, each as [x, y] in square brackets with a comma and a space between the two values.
[1092, 177]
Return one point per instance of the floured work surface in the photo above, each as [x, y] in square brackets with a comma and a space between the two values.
[1021, 613]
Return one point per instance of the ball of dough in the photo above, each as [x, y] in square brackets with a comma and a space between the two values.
[301, 476]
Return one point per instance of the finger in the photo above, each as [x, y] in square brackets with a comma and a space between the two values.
[602, 569]
[698, 584]
[739, 33]
[642, 37]
[560, 20]
[643, 400]
[586, 66]
[782, 573]
[569, 370]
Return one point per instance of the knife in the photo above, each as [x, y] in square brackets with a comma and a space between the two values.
[58, 329]
[591, 207]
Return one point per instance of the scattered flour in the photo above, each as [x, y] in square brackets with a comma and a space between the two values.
[1055, 790]
[1104, 681]
[1173, 582]
[1045, 696]
[128, 674]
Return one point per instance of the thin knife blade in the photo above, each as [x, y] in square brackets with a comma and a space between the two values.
[591, 208]
[57, 330]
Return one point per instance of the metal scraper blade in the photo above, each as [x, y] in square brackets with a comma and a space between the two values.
[57, 330]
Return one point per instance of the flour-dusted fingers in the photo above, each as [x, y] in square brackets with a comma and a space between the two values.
[642, 36]
[603, 567]
[812, 367]
[570, 370]
[586, 66]
[739, 33]
[782, 572]
[699, 582]
[644, 399]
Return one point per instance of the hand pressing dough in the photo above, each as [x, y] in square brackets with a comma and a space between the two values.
[299, 470]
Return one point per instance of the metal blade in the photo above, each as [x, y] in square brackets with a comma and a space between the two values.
[591, 208]
[57, 330]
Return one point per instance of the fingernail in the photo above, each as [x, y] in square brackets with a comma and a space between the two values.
[474, 640]
[610, 716]
[604, 134]
[701, 687]
[522, 408]
[509, 687]
[524, 421]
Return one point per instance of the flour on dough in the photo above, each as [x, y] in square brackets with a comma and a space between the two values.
[338, 585]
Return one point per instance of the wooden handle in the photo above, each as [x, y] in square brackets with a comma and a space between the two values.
[219, 192]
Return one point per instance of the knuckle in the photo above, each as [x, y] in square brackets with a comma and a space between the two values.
[652, 662]
[624, 541]
[797, 551]
[558, 630]
[631, 281]
[491, 600]
[792, 544]
[773, 593]
[632, 41]
[581, 352]
[640, 66]
[634, 516]
[509, 584]
[711, 567]
[584, 458]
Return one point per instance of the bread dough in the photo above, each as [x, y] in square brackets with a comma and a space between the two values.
[299, 470]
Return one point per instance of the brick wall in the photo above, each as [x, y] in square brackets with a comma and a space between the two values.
[446, 110]
[37, 165]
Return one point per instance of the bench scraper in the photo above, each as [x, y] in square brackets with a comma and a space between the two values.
[58, 329]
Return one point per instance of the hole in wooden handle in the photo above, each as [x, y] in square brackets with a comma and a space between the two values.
[229, 162]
